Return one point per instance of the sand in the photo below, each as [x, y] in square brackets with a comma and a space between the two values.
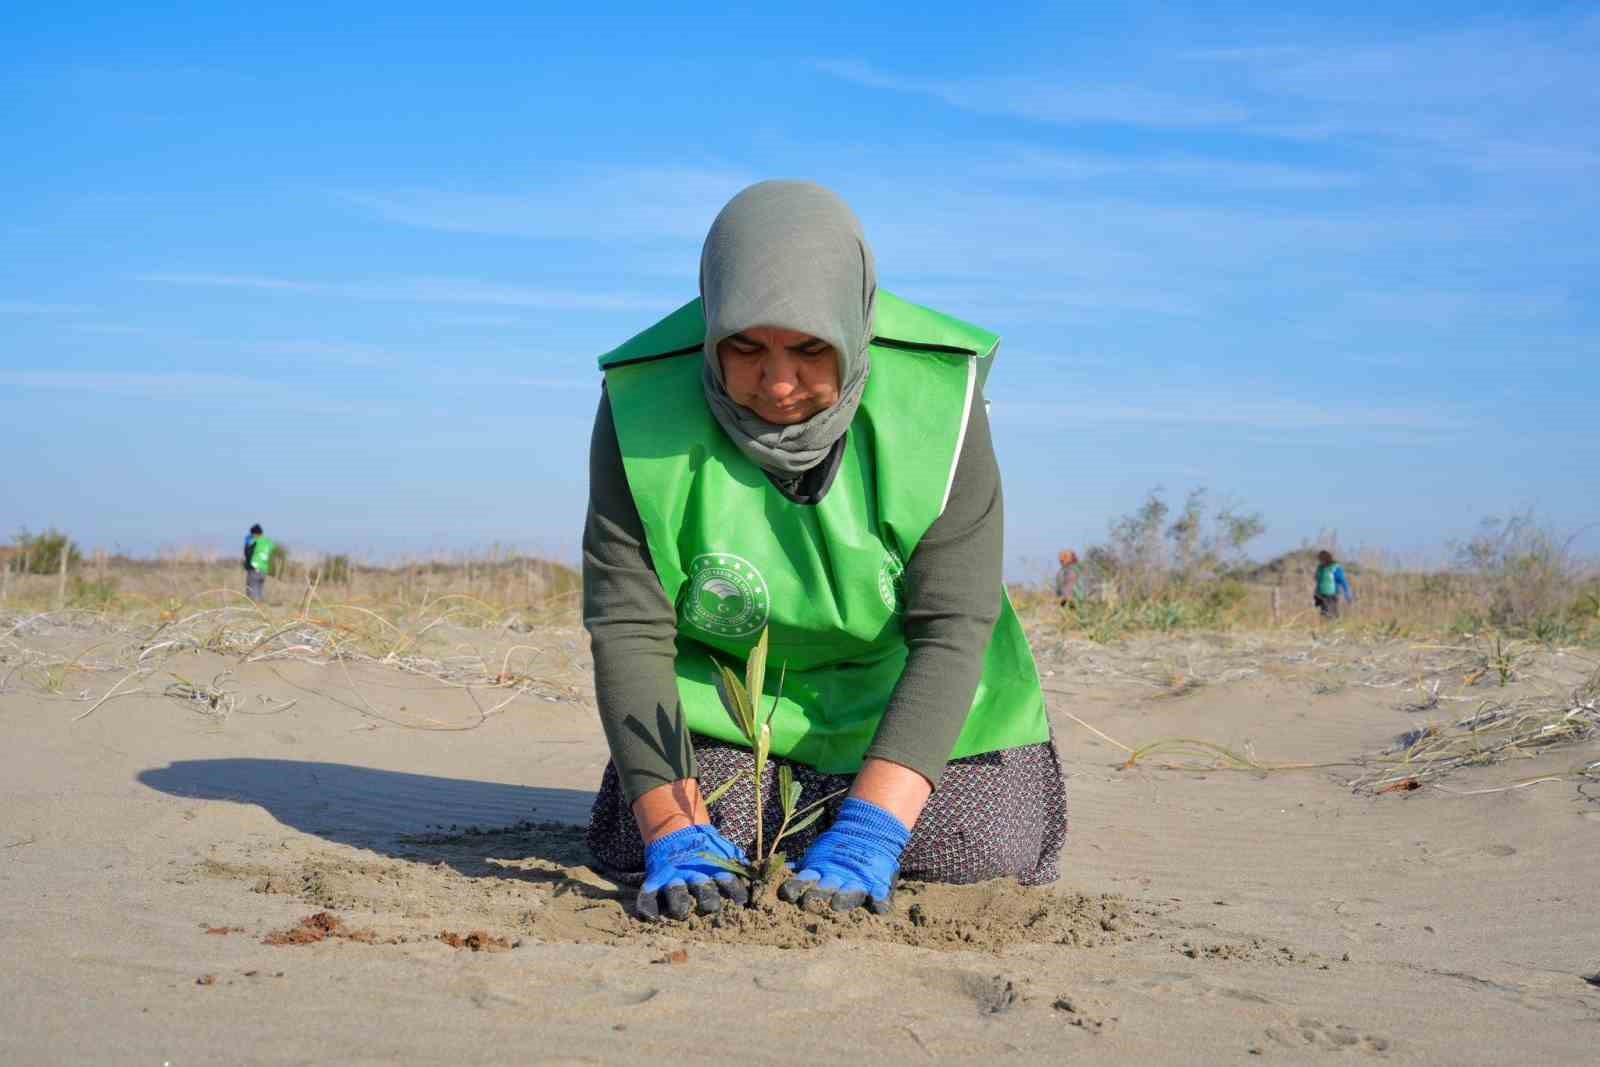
[379, 873]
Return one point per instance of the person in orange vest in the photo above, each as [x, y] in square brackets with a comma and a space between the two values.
[1067, 576]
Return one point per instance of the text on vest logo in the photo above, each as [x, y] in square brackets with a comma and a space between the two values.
[725, 596]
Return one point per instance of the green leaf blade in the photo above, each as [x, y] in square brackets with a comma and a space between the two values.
[741, 869]
[755, 670]
[788, 790]
[722, 790]
[783, 674]
[763, 749]
[737, 700]
[801, 823]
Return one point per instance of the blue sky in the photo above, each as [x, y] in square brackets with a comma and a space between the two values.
[343, 269]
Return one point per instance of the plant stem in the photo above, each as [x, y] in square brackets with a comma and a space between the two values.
[759, 858]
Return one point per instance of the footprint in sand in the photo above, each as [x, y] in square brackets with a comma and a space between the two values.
[1314, 1033]
[997, 996]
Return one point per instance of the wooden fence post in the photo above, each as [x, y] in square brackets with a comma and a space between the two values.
[61, 582]
[1275, 591]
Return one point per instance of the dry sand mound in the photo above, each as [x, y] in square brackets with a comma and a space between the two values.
[532, 882]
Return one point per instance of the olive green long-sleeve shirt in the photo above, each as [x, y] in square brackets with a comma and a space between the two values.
[952, 590]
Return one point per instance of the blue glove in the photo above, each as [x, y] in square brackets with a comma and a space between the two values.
[853, 862]
[678, 878]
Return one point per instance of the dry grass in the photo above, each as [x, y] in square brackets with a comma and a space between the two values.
[1391, 604]
[1500, 730]
[1538, 702]
[144, 615]
[126, 623]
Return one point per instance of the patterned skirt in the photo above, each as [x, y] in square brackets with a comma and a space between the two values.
[1001, 814]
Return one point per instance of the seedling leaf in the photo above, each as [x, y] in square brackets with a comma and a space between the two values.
[763, 749]
[741, 869]
[722, 790]
[803, 822]
[737, 700]
[783, 674]
[788, 790]
[742, 700]
[755, 670]
[816, 805]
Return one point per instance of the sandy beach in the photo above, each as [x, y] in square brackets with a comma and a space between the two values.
[348, 862]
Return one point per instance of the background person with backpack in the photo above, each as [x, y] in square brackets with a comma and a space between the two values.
[258, 549]
[1330, 583]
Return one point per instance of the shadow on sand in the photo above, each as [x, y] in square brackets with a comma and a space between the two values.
[414, 817]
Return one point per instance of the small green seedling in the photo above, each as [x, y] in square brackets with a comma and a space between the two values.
[1505, 658]
[742, 700]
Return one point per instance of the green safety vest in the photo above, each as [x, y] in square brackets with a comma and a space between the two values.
[261, 554]
[735, 555]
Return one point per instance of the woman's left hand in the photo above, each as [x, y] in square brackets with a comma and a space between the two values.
[853, 862]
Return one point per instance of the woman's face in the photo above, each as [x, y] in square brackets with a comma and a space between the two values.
[783, 376]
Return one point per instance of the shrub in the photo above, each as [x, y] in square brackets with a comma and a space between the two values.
[1145, 553]
[43, 550]
[1525, 572]
[1223, 596]
[333, 570]
[99, 593]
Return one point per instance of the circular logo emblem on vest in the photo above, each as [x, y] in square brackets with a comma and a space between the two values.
[727, 595]
[891, 580]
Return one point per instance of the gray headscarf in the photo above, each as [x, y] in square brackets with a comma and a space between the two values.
[789, 255]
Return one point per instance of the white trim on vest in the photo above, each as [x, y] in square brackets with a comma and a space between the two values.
[961, 437]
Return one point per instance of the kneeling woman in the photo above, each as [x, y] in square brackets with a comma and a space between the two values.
[800, 452]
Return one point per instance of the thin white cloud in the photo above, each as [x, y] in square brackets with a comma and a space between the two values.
[1492, 66]
[1229, 411]
[354, 354]
[637, 204]
[1514, 96]
[114, 382]
[28, 307]
[421, 291]
[1200, 171]
[1043, 299]
[1051, 100]
[470, 379]
[167, 386]
[124, 329]
[477, 320]
[1173, 252]
[229, 281]
[463, 291]
[1446, 306]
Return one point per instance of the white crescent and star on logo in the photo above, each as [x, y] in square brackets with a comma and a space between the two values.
[726, 595]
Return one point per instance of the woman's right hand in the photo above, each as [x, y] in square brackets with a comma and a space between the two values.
[679, 879]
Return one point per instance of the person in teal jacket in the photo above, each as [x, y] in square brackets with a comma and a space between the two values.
[800, 454]
[1330, 585]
